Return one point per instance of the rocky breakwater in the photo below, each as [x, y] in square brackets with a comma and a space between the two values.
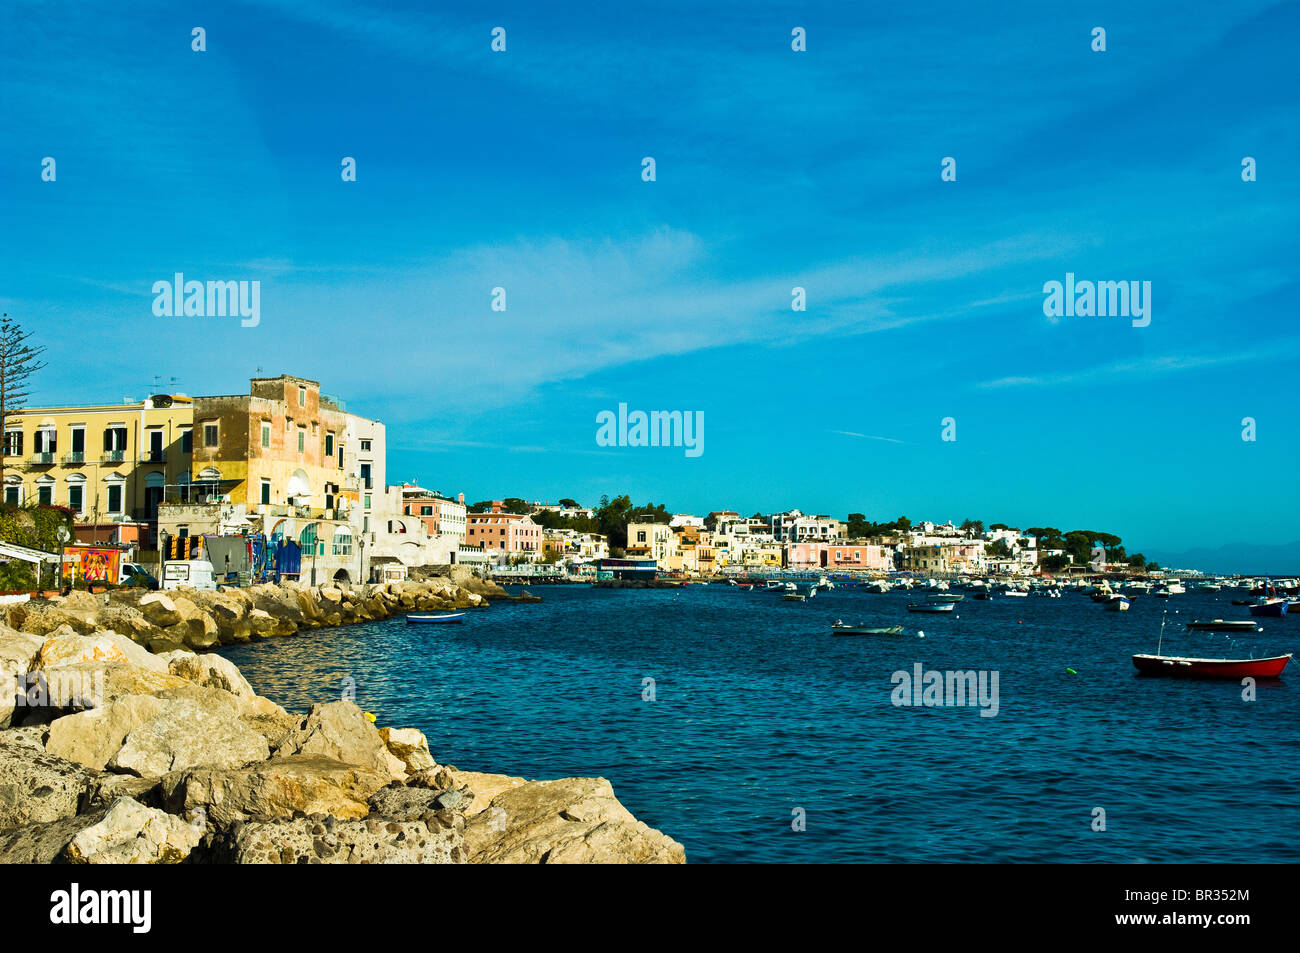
[112, 753]
[200, 620]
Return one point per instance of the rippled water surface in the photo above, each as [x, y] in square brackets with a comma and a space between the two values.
[759, 711]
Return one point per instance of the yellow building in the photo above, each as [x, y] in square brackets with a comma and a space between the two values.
[110, 463]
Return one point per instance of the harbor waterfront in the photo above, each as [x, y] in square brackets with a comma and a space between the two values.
[740, 725]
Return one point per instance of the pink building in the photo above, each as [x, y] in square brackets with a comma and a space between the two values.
[509, 533]
[856, 556]
[805, 555]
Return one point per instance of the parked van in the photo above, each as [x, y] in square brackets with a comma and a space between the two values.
[195, 573]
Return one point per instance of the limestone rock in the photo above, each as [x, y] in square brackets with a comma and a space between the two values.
[341, 730]
[410, 747]
[211, 670]
[185, 734]
[36, 786]
[44, 843]
[324, 840]
[131, 833]
[567, 821]
[103, 646]
[90, 738]
[272, 790]
[160, 609]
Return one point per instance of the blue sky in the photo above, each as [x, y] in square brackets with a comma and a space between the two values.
[774, 169]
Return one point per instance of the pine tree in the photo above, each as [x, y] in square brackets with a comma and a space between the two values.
[19, 360]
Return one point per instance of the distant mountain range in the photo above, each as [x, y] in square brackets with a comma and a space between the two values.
[1245, 558]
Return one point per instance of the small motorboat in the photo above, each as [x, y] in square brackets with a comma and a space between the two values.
[1178, 667]
[931, 606]
[1269, 607]
[844, 628]
[795, 597]
[428, 619]
[945, 597]
[1017, 593]
[1117, 604]
[1220, 625]
[747, 586]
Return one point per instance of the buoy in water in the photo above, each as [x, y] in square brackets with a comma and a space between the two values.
[370, 717]
[920, 635]
[1072, 671]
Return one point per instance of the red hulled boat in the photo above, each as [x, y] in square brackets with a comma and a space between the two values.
[1173, 665]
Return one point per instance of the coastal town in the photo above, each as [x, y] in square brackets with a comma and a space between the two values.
[301, 485]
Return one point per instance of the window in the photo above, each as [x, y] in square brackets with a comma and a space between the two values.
[76, 496]
[266, 433]
[342, 543]
[302, 397]
[288, 425]
[13, 443]
[45, 440]
[367, 502]
[187, 440]
[266, 492]
[329, 445]
[365, 475]
[313, 428]
[12, 495]
[302, 439]
[209, 435]
[426, 511]
[45, 495]
[115, 498]
[365, 445]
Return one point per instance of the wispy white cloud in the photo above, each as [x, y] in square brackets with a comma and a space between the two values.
[1150, 367]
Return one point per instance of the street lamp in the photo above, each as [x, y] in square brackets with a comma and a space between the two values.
[63, 536]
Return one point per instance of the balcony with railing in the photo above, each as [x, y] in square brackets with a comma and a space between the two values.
[114, 456]
[42, 458]
[153, 456]
[74, 457]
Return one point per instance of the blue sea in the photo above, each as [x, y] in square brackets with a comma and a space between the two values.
[762, 722]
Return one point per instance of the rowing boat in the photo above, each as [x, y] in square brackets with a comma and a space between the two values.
[427, 619]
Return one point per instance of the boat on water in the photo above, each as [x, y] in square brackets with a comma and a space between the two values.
[1269, 607]
[1118, 604]
[428, 619]
[795, 597]
[1221, 625]
[1178, 666]
[1017, 593]
[931, 606]
[747, 586]
[844, 628]
[945, 597]
[982, 594]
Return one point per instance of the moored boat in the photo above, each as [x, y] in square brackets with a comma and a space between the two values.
[1179, 667]
[1117, 604]
[1269, 607]
[931, 606]
[844, 628]
[1221, 625]
[427, 619]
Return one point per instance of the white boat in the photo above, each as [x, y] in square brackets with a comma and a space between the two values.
[1117, 604]
[1016, 592]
